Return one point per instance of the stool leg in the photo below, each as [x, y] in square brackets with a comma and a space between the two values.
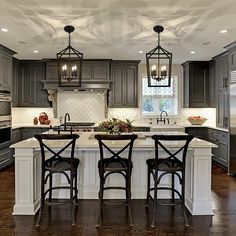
[71, 199]
[42, 201]
[186, 223]
[155, 198]
[148, 187]
[76, 187]
[100, 197]
[50, 187]
[172, 187]
[129, 200]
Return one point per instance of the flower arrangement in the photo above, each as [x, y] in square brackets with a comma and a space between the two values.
[116, 126]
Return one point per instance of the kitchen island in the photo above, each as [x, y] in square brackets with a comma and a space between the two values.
[28, 172]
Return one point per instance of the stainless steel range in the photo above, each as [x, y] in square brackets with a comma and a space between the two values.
[75, 127]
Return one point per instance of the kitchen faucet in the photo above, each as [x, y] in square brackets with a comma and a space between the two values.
[66, 115]
[163, 119]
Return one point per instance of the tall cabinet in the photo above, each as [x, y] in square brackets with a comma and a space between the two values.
[222, 89]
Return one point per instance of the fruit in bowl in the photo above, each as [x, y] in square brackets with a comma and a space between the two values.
[196, 120]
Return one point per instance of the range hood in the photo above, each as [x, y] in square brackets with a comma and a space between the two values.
[89, 85]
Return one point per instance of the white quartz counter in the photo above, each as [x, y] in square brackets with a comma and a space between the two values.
[86, 142]
[29, 125]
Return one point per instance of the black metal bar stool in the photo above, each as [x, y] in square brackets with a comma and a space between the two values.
[159, 167]
[115, 164]
[58, 163]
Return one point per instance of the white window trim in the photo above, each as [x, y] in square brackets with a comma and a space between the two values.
[147, 116]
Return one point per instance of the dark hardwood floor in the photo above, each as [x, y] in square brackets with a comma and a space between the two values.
[115, 219]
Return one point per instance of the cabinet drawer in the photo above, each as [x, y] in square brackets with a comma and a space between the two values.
[223, 137]
[16, 135]
[5, 157]
[212, 134]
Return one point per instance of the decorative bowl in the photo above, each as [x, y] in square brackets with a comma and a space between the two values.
[196, 120]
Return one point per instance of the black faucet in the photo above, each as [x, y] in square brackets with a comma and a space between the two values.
[66, 115]
[163, 119]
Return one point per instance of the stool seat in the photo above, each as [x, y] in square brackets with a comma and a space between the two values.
[110, 164]
[64, 164]
[165, 165]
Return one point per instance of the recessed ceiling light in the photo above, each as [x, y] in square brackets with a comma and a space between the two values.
[140, 51]
[36, 51]
[4, 29]
[223, 31]
[192, 52]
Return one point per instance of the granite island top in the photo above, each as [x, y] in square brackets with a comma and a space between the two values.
[85, 141]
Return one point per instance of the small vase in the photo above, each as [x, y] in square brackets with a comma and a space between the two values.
[35, 120]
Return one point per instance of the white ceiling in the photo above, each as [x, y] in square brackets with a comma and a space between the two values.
[118, 29]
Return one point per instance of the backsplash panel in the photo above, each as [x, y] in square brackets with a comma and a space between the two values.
[25, 115]
[82, 105]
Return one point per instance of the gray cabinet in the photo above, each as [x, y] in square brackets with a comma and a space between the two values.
[200, 132]
[91, 69]
[222, 109]
[218, 137]
[124, 89]
[5, 68]
[32, 94]
[212, 84]
[15, 83]
[6, 157]
[16, 136]
[221, 72]
[196, 84]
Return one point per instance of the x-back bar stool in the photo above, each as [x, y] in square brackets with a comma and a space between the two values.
[58, 163]
[171, 165]
[115, 164]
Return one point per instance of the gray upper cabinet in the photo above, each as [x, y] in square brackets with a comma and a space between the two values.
[15, 83]
[6, 68]
[222, 89]
[124, 89]
[221, 72]
[91, 69]
[32, 94]
[196, 84]
[212, 84]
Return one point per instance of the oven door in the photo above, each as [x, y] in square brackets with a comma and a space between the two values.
[5, 106]
[5, 134]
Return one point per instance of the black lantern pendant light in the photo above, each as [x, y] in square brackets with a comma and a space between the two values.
[159, 63]
[69, 64]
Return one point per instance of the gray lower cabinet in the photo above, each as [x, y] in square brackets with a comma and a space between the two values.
[16, 135]
[218, 137]
[30, 132]
[124, 89]
[6, 157]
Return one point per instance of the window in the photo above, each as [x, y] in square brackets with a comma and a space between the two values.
[157, 99]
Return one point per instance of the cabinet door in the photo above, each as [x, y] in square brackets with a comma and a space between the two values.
[222, 109]
[6, 71]
[51, 70]
[117, 99]
[198, 77]
[26, 133]
[223, 154]
[197, 132]
[16, 135]
[232, 60]
[5, 157]
[212, 85]
[131, 96]
[221, 70]
[196, 84]
[15, 83]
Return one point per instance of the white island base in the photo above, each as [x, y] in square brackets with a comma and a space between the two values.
[28, 175]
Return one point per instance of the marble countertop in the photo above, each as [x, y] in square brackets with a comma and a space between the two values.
[86, 142]
[29, 125]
